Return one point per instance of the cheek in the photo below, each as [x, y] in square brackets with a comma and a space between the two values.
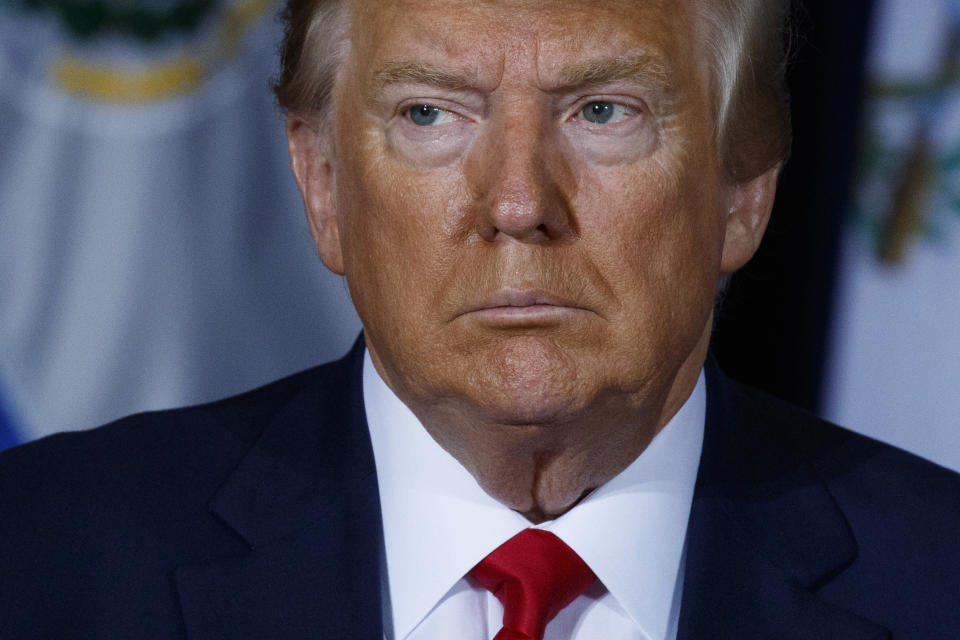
[398, 229]
[656, 237]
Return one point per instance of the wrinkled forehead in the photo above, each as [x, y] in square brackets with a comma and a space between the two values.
[495, 39]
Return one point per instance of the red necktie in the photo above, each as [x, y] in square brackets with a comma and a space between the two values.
[535, 575]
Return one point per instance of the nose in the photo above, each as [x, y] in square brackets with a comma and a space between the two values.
[520, 181]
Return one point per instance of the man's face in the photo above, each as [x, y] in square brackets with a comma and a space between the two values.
[525, 200]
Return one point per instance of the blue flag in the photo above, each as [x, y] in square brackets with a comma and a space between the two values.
[8, 435]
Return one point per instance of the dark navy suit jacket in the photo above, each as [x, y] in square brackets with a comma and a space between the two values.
[258, 517]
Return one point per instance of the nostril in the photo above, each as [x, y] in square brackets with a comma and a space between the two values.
[542, 228]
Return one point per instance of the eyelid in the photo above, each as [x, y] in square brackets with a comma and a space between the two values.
[634, 106]
[626, 113]
[445, 106]
[446, 115]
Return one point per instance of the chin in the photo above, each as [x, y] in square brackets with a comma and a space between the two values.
[519, 411]
[528, 381]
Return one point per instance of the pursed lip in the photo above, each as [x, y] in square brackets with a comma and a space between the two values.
[520, 305]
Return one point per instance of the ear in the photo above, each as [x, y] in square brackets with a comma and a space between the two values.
[747, 220]
[314, 175]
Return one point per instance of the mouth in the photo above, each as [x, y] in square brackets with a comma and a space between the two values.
[523, 308]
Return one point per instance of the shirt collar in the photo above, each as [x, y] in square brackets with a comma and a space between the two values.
[438, 522]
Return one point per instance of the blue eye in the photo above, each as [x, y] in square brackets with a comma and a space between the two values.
[424, 115]
[598, 112]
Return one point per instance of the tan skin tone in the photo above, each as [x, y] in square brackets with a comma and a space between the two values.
[525, 200]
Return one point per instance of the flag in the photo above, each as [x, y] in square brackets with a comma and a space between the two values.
[894, 369]
[9, 436]
[153, 246]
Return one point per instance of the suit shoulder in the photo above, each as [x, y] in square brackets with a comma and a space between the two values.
[175, 452]
[95, 523]
[901, 512]
[836, 452]
[878, 486]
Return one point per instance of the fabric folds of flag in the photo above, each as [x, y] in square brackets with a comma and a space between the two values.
[895, 360]
[152, 242]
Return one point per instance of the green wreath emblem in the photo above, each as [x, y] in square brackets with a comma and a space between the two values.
[87, 19]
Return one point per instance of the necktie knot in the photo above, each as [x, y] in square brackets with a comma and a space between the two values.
[535, 575]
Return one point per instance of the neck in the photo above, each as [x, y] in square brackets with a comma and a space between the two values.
[543, 470]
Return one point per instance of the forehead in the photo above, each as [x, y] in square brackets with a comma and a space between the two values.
[491, 37]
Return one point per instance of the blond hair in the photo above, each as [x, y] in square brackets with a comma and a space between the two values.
[744, 44]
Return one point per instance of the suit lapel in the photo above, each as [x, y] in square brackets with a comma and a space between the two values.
[305, 501]
[764, 531]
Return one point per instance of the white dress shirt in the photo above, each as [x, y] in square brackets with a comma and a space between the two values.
[438, 523]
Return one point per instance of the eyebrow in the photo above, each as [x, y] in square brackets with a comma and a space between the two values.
[592, 73]
[420, 73]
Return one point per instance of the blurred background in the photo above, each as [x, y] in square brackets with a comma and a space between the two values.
[852, 306]
[154, 252]
[153, 247]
